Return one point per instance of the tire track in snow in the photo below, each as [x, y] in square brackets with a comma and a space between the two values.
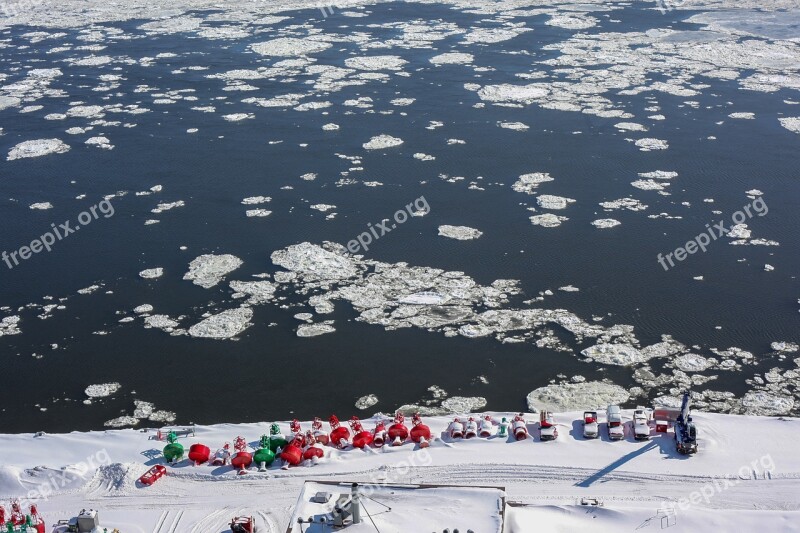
[175, 522]
[161, 521]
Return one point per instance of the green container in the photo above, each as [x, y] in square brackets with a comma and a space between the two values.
[173, 452]
[277, 442]
[263, 455]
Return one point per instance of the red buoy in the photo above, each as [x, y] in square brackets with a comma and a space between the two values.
[379, 435]
[420, 433]
[293, 453]
[313, 451]
[242, 460]
[339, 434]
[361, 438]
[398, 432]
[199, 454]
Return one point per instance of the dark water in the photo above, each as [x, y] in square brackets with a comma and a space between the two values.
[270, 373]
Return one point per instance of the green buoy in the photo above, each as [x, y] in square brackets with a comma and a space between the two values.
[173, 451]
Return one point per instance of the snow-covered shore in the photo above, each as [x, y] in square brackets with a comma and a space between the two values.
[744, 463]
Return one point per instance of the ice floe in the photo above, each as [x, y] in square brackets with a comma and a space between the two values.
[314, 330]
[365, 402]
[604, 223]
[289, 47]
[223, 325]
[549, 201]
[151, 273]
[791, 123]
[461, 233]
[102, 390]
[376, 62]
[37, 148]
[576, 396]
[382, 141]
[547, 220]
[452, 58]
[648, 143]
[209, 269]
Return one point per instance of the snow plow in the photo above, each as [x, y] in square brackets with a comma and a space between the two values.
[685, 431]
[616, 431]
[547, 426]
[641, 423]
[591, 428]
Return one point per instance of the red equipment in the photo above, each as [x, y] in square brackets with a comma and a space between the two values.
[293, 452]
[379, 435]
[339, 434]
[319, 434]
[520, 428]
[242, 459]
[17, 516]
[361, 437]
[398, 432]
[314, 450]
[294, 427]
[456, 429]
[199, 454]
[420, 433]
[243, 524]
[2, 515]
[36, 519]
[153, 475]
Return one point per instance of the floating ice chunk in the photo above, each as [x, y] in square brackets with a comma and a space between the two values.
[166, 206]
[648, 143]
[100, 142]
[516, 126]
[692, 363]
[9, 325]
[528, 182]
[314, 330]
[630, 126]
[605, 223]
[423, 157]
[382, 141]
[313, 262]
[513, 93]
[571, 21]
[376, 62]
[151, 273]
[365, 402]
[576, 396]
[162, 322]
[424, 298]
[37, 148]
[323, 207]
[102, 390]
[121, 421]
[289, 47]
[739, 231]
[258, 291]
[461, 233]
[741, 115]
[659, 175]
[549, 201]
[649, 185]
[493, 35]
[791, 123]
[144, 308]
[785, 347]
[209, 269]
[257, 213]
[547, 220]
[614, 354]
[765, 404]
[401, 102]
[452, 58]
[224, 325]
[236, 117]
[330, 127]
[255, 200]
[768, 268]
[9, 101]
[41, 206]
[630, 204]
[464, 404]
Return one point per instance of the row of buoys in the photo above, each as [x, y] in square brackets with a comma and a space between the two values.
[303, 446]
[19, 521]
